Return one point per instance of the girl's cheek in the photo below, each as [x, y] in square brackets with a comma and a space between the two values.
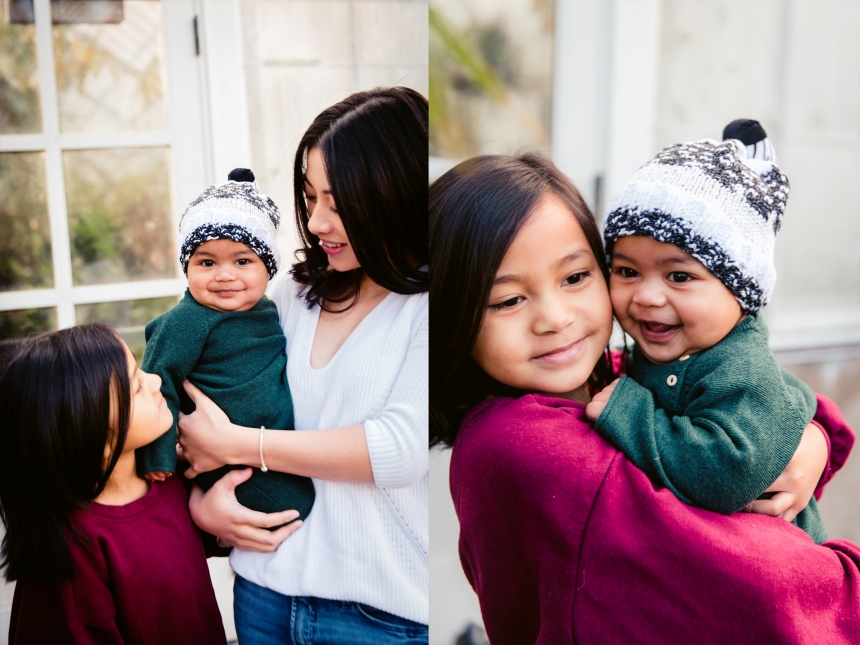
[483, 351]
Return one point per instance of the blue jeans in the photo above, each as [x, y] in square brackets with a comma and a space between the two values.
[266, 617]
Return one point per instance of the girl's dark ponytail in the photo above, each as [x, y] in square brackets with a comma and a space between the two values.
[57, 393]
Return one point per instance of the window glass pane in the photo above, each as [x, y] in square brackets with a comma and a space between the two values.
[128, 317]
[25, 244]
[20, 111]
[490, 76]
[119, 215]
[110, 76]
[26, 322]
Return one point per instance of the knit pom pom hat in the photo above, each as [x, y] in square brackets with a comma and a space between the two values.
[720, 202]
[236, 211]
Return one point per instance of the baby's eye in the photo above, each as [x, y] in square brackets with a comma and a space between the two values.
[243, 261]
[627, 272]
[207, 263]
[679, 277]
[577, 278]
[507, 304]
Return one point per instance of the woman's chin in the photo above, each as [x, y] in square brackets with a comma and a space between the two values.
[343, 264]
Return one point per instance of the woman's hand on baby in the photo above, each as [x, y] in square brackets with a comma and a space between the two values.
[595, 408]
[204, 435]
[157, 475]
[794, 487]
[219, 513]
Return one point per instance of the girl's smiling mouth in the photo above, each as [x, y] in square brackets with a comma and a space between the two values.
[562, 355]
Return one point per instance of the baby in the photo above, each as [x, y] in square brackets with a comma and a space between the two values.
[225, 336]
[704, 408]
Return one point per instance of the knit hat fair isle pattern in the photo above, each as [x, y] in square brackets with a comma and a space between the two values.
[234, 211]
[714, 202]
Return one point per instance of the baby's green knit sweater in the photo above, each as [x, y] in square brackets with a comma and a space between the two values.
[238, 359]
[716, 427]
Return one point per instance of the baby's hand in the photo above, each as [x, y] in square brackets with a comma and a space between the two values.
[595, 408]
[157, 475]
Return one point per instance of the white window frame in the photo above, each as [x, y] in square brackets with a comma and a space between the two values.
[186, 138]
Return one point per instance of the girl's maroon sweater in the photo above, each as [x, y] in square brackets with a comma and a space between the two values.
[565, 540]
[141, 577]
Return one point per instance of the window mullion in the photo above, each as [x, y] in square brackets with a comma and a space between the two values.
[60, 249]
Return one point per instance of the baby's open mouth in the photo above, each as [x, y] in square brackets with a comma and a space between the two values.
[658, 328]
[655, 332]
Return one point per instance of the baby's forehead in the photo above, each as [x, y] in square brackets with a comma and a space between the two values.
[644, 249]
[222, 247]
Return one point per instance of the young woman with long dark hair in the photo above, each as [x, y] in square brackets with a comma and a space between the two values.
[562, 537]
[99, 555]
[354, 312]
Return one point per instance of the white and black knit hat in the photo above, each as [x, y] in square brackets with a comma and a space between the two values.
[720, 202]
[235, 211]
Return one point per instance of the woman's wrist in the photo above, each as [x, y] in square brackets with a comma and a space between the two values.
[246, 446]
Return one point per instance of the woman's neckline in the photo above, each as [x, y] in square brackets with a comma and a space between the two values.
[346, 340]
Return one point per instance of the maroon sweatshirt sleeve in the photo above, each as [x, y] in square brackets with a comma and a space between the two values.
[567, 541]
[839, 436]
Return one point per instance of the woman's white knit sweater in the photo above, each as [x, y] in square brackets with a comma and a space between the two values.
[362, 542]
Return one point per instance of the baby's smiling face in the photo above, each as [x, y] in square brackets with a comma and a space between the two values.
[548, 318]
[667, 300]
[226, 276]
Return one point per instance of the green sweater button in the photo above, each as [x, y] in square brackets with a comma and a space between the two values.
[672, 380]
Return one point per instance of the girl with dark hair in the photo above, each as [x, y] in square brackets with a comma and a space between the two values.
[562, 537]
[355, 316]
[84, 533]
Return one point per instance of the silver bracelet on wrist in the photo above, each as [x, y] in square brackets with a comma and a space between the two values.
[262, 461]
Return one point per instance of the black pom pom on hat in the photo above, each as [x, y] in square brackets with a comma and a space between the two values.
[748, 131]
[752, 135]
[241, 174]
